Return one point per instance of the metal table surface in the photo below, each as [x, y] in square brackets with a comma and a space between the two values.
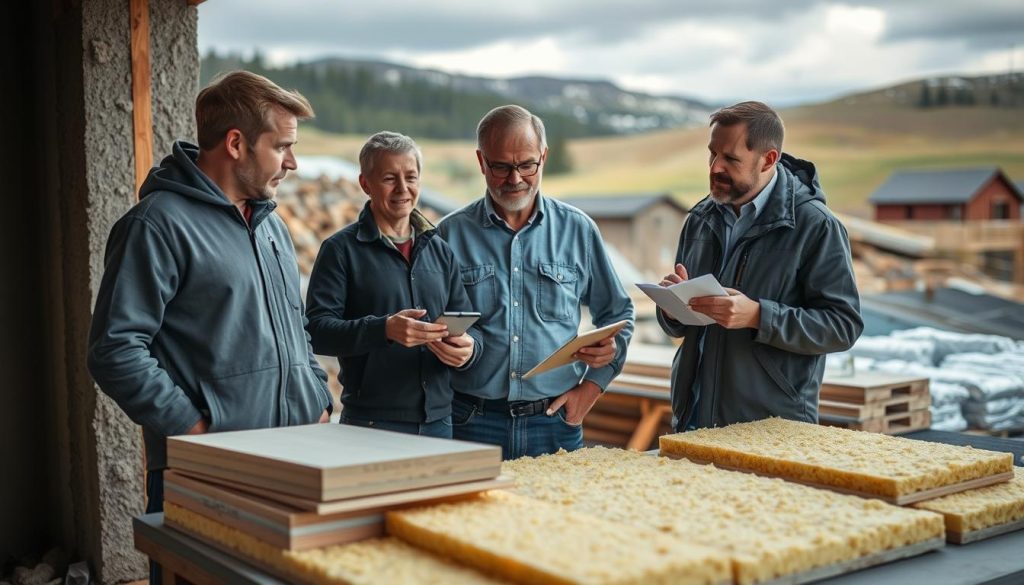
[996, 561]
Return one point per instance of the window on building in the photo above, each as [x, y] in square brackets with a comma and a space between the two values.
[954, 212]
[1001, 210]
[908, 212]
[998, 264]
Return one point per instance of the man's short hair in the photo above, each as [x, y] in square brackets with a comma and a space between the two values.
[243, 100]
[504, 117]
[387, 142]
[764, 126]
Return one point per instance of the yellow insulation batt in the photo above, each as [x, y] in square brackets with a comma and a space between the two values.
[538, 543]
[868, 463]
[983, 507]
[368, 562]
[768, 527]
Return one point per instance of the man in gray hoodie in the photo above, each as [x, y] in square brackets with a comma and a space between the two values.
[199, 324]
[765, 233]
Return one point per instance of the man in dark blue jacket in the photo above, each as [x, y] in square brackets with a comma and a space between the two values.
[374, 293]
[199, 325]
[766, 234]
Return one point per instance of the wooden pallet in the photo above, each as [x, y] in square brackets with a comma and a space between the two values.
[853, 410]
[872, 387]
[890, 424]
[628, 418]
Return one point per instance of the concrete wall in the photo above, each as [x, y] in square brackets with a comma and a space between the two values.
[79, 467]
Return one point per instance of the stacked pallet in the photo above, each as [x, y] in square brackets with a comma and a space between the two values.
[876, 402]
[310, 486]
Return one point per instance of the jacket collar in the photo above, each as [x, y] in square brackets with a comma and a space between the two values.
[369, 232]
[779, 210]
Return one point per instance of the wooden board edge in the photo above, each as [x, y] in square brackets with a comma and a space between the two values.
[938, 492]
[983, 533]
[857, 564]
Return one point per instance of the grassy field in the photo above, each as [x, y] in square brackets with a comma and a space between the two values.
[855, 149]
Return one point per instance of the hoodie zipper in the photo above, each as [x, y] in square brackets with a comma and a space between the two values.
[281, 405]
[280, 268]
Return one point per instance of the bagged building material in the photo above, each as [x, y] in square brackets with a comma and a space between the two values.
[949, 342]
[889, 348]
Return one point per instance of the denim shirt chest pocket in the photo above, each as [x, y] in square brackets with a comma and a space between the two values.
[480, 286]
[556, 293]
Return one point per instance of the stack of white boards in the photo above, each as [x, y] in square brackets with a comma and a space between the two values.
[315, 485]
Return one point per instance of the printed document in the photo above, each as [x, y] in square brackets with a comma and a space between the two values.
[675, 299]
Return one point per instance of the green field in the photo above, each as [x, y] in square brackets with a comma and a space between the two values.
[854, 146]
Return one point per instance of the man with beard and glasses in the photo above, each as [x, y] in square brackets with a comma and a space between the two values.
[529, 263]
[199, 325]
[765, 233]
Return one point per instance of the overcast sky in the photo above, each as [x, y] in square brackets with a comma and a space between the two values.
[782, 52]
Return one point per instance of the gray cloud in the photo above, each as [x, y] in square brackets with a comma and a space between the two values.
[738, 46]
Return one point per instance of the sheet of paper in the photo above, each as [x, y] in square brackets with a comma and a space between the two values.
[675, 299]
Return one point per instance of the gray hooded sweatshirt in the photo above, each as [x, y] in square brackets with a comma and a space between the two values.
[795, 260]
[200, 314]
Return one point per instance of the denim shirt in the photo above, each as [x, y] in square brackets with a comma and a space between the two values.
[529, 287]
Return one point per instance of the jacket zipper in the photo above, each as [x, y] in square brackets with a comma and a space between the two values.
[282, 407]
[739, 270]
[280, 268]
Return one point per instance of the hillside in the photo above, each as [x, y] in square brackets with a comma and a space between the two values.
[856, 142]
[362, 96]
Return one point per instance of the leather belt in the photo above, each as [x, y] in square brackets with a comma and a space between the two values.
[514, 409]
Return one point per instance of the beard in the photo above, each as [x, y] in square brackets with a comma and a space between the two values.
[504, 198]
[725, 189]
[253, 185]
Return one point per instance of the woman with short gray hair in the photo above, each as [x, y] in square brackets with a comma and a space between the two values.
[376, 289]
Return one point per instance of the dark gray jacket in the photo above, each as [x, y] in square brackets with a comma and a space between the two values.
[795, 260]
[199, 312]
[358, 281]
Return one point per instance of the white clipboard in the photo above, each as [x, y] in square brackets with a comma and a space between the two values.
[564, 355]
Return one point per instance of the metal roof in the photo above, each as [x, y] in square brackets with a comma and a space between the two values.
[949, 308]
[623, 205]
[937, 186]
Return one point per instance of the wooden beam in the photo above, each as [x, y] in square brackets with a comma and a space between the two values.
[142, 105]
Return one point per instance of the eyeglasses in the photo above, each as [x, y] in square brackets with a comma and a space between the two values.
[503, 170]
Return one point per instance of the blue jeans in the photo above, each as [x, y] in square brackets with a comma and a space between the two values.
[155, 503]
[441, 428]
[519, 436]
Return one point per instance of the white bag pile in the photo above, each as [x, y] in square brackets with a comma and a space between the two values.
[976, 381]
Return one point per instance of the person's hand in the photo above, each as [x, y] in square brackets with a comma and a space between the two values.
[453, 351]
[675, 277]
[200, 428]
[325, 416]
[735, 311]
[598, 355]
[405, 328]
[577, 402]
